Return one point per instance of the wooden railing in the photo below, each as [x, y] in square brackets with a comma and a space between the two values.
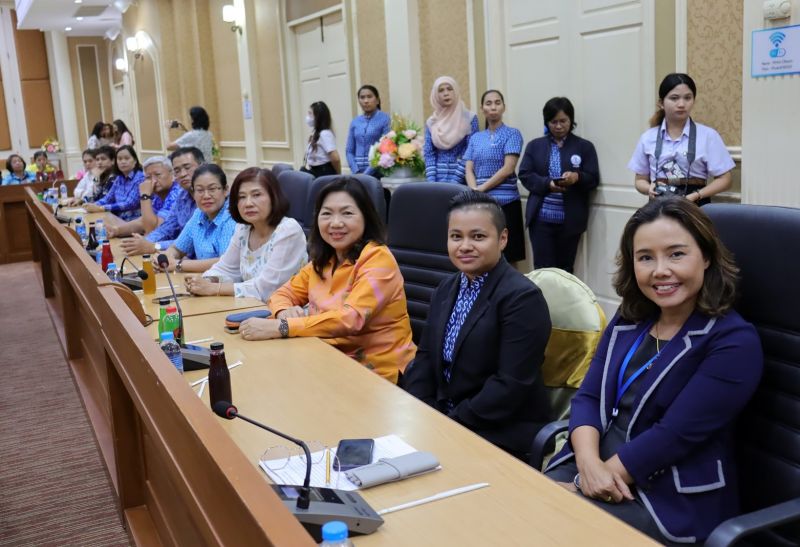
[179, 477]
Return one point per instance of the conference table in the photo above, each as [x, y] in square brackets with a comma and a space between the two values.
[202, 471]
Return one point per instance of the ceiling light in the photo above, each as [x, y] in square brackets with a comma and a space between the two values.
[67, 29]
[121, 65]
[79, 1]
[79, 18]
[131, 43]
[232, 14]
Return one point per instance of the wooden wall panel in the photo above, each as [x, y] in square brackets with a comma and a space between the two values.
[5, 134]
[149, 115]
[90, 85]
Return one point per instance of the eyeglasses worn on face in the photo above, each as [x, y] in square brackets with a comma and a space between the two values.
[211, 190]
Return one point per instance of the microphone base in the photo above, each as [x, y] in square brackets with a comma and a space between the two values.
[132, 282]
[195, 357]
[328, 504]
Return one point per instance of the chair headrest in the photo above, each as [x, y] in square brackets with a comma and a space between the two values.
[418, 215]
[571, 302]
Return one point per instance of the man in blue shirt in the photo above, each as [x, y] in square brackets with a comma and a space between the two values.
[157, 194]
[208, 233]
[184, 163]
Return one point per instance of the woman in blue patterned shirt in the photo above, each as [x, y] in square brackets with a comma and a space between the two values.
[366, 130]
[447, 133]
[123, 197]
[560, 170]
[491, 159]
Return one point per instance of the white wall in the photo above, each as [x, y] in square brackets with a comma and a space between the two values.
[770, 123]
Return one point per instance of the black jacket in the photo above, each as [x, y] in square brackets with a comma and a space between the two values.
[495, 383]
[534, 175]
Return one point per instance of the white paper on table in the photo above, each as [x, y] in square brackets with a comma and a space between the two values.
[72, 210]
[389, 446]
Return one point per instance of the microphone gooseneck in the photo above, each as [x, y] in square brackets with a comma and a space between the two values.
[226, 410]
[140, 273]
[163, 263]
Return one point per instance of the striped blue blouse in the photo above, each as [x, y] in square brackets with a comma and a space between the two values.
[488, 150]
[364, 132]
[446, 165]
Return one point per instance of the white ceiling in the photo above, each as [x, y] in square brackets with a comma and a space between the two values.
[98, 16]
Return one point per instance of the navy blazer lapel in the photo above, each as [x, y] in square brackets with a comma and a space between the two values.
[622, 338]
[696, 326]
[481, 304]
[441, 327]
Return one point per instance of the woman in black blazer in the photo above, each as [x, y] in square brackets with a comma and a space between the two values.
[481, 352]
[560, 170]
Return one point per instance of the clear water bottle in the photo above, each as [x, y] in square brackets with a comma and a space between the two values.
[98, 253]
[171, 348]
[63, 191]
[113, 273]
[80, 229]
[334, 533]
[100, 230]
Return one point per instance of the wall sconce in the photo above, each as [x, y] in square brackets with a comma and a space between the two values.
[232, 14]
[121, 64]
[137, 44]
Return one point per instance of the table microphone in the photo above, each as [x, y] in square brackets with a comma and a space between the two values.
[226, 410]
[132, 281]
[194, 357]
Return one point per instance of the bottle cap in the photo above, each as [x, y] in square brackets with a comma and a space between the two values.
[169, 335]
[163, 301]
[78, 220]
[172, 309]
[217, 346]
[145, 257]
[334, 530]
[106, 243]
[111, 266]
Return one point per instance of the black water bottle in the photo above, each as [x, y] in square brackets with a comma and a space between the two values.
[219, 377]
[92, 242]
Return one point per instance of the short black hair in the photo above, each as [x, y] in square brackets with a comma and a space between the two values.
[91, 151]
[319, 251]
[38, 154]
[213, 169]
[371, 88]
[278, 203]
[193, 150]
[11, 157]
[556, 105]
[127, 148]
[106, 150]
[199, 118]
[470, 199]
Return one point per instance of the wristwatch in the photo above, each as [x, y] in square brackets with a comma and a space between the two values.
[283, 328]
[179, 265]
[158, 247]
[145, 197]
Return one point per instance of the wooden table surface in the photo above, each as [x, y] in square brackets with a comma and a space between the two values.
[307, 389]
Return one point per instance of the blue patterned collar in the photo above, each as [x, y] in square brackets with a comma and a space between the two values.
[475, 284]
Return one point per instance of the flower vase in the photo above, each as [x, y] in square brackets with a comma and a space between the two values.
[401, 172]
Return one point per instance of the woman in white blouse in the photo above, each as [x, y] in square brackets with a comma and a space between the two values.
[322, 157]
[267, 247]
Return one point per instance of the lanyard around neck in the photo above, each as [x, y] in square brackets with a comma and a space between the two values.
[622, 385]
[690, 153]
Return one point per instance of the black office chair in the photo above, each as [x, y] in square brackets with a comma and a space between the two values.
[764, 242]
[296, 186]
[372, 185]
[418, 241]
[279, 168]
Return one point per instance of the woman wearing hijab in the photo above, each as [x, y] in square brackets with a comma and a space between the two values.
[447, 133]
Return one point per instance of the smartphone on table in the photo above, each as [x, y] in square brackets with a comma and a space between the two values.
[352, 453]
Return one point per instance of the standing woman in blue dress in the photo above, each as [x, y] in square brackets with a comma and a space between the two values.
[366, 130]
[490, 163]
[447, 133]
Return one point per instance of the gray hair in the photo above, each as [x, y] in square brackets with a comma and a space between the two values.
[162, 160]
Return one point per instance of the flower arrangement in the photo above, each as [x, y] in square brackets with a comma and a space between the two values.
[399, 148]
[51, 146]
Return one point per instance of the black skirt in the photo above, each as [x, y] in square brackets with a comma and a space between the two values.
[515, 249]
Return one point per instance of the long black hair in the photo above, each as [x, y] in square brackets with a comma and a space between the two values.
[319, 251]
[121, 128]
[199, 118]
[98, 129]
[8, 163]
[502, 99]
[132, 152]
[322, 121]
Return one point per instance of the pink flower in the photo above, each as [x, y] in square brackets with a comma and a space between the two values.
[409, 134]
[51, 148]
[386, 161]
[390, 135]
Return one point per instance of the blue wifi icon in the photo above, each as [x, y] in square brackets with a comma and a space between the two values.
[776, 38]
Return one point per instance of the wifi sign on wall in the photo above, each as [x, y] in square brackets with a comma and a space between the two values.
[775, 51]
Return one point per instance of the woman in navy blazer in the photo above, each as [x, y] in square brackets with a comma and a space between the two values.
[559, 170]
[651, 430]
[481, 352]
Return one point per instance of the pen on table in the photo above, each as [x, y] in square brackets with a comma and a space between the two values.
[205, 378]
[435, 497]
[327, 467]
[200, 341]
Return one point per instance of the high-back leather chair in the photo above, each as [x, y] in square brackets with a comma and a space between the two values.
[418, 241]
[296, 186]
[372, 185]
[764, 241]
[279, 168]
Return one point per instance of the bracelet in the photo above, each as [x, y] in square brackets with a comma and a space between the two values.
[577, 482]
[283, 328]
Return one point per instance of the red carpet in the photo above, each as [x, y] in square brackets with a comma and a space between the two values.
[54, 489]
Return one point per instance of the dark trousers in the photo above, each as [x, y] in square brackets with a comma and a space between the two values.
[320, 170]
[552, 247]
